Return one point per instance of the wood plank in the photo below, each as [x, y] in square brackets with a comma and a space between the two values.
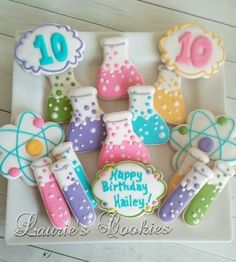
[5, 90]
[131, 15]
[215, 10]
[19, 17]
[2, 215]
[4, 118]
[230, 79]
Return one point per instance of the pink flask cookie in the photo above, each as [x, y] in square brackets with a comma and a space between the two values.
[51, 194]
[117, 72]
[121, 142]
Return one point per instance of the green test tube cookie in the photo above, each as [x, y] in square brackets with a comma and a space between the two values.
[204, 200]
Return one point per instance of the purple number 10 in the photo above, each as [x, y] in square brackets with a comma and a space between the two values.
[196, 52]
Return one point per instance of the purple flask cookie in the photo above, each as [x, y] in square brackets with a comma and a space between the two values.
[74, 193]
[87, 129]
[176, 202]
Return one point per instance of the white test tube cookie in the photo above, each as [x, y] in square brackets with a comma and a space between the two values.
[200, 205]
[177, 201]
[51, 194]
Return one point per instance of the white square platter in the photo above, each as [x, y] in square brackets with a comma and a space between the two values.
[30, 93]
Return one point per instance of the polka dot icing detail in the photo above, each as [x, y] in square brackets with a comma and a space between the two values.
[117, 72]
[118, 144]
[87, 129]
[38, 122]
[147, 123]
[74, 192]
[206, 144]
[14, 172]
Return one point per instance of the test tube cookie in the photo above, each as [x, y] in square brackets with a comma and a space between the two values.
[87, 129]
[51, 194]
[198, 208]
[121, 142]
[168, 99]
[194, 155]
[74, 193]
[65, 151]
[117, 72]
[177, 201]
[147, 123]
[190, 51]
[52, 50]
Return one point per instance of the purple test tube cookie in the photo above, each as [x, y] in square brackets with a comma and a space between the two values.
[87, 129]
[73, 191]
[176, 202]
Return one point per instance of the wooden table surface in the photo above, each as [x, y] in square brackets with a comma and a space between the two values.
[111, 15]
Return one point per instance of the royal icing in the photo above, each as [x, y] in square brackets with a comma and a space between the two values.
[59, 106]
[117, 72]
[25, 142]
[74, 193]
[189, 186]
[147, 123]
[51, 194]
[49, 49]
[87, 129]
[65, 150]
[129, 188]
[192, 51]
[121, 142]
[204, 200]
[194, 155]
[213, 135]
[168, 98]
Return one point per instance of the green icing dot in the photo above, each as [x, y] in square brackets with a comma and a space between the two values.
[56, 84]
[222, 120]
[62, 84]
[149, 111]
[183, 130]
[69, 73]
[67, 78]
[57, 77]
[58, 92]
[72, 83]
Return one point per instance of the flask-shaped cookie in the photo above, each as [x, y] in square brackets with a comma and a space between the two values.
[51, 194]
[65, 150]
[204, 200]
[177, 201]
[194, 155]
[87, 129]
[59, 106]
[147, 123]
[121, 142]
[168, 99]
[74, 193]
[117, 72]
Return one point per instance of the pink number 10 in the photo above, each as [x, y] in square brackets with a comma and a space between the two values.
[196, 52]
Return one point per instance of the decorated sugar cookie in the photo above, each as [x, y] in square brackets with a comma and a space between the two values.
[51, 193]
[168, 99]
[214, 135]
[204, 200]
[117, 72]
[181, 196]
[192, 51]
[52, 50]
[87, 129]
[74, 193]
[129, 188]
[121, 142]
[193, 155]
[147, 123]
[31, 138]
[65, 150]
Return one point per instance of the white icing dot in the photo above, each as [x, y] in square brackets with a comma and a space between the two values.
[176, 103]
[54, 115]
[84, 200]
[56, 108]
[90, 141]
[81, 207]
[90, 215]
[92, 129]
[104, 88]
[50, 105]
[161, 127]
[162, 135]
[71, 198]
[117, 88]
[51, 195]
[164, 106]
[65, 108]
[76, 140]
[74, 188]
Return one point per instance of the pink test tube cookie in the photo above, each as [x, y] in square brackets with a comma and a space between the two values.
[117, 72]
[177, 201]
[51, 194]
[74, 193]
[121, 142]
